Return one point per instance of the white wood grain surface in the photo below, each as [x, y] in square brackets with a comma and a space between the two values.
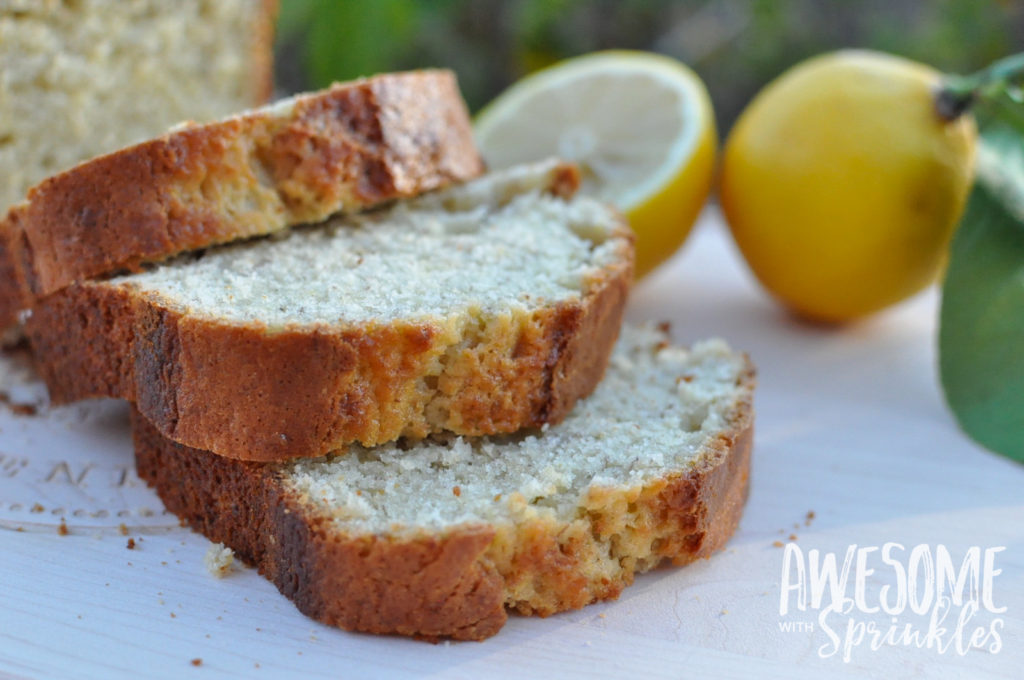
[850, 424]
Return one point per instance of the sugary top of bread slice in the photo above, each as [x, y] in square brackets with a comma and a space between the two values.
[347, 148]
[86, 78]
[480, 309]
[480, 249]
[439, 538]
[654, 413]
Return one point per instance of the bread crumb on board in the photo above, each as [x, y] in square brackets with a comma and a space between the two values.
[17, 408]
[218, 560]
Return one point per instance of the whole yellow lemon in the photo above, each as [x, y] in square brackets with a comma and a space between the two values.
[842, 184]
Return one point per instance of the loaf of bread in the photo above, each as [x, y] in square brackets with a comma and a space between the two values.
[84, 78]
[299, 160]
[480, 309]
[440, 538]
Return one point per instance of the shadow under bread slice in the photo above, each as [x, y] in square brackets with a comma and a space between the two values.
[480, 309]
[443, 537]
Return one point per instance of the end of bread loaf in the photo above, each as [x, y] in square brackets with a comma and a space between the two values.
[83, 79]
[441, 538]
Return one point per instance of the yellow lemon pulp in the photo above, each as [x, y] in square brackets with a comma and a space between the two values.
[639, 125]
[842, 185]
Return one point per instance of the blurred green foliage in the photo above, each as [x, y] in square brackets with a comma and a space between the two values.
[735, 45]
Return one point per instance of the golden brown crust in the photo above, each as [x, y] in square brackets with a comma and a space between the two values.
[428, 586]
[354, 145]
[458, 583]
[550, 567]
[245, 392]
[13, 287]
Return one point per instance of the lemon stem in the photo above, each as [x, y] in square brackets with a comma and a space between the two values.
[958, 93]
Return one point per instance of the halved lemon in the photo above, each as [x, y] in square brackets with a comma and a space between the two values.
[639, 125]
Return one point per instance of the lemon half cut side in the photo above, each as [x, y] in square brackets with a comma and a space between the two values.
[639, 125]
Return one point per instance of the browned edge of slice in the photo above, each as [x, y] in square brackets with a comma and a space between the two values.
[352, 146]
[244, 392]
[458, 583]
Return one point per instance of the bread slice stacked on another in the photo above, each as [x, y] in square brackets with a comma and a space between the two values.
[439, 538]
[296, 161]
[480, 309]
[398, 415]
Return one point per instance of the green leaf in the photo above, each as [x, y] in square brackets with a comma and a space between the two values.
[981, 334]
[352, 38]
[292, 17]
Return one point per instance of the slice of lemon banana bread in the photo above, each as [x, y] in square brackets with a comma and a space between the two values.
[480, 309]
[440, 538]
[299, 160]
